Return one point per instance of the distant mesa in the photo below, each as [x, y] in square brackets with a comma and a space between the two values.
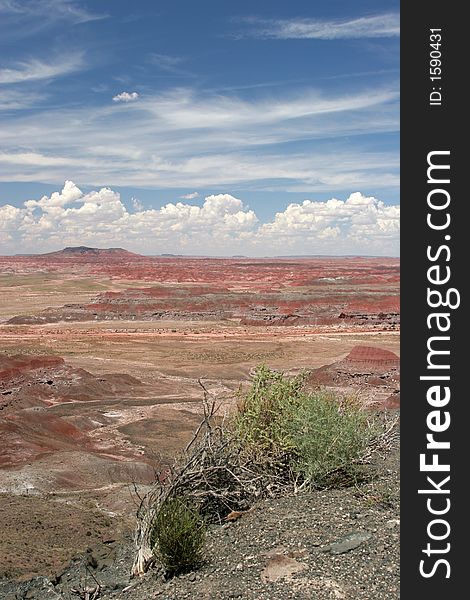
[371, 356]
[11, 366]
[372, 370]
[84, 250]
[76, 251]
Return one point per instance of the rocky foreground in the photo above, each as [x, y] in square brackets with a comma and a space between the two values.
[325, 545]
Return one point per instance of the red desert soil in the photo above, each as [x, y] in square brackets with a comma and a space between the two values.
[101, 355]
[374, 357]
[29, 386]
[373, 373]
[347, 292]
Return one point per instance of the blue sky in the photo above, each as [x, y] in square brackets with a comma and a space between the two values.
[209, 127]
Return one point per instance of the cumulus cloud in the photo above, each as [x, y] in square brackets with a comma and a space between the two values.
[69, 193]
[190, 196]
[219, 215]
[137, 204]
[359, 222]
[126, 97]
[351, 214]
[11, 218]
[223, 225]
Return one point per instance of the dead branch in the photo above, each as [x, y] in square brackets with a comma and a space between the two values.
[217, 475]
[213, 473]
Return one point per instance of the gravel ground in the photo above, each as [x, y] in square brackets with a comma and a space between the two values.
[324, 545]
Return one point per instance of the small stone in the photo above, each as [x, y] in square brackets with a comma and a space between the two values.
[347, 543]
[280, 567]
[392, 523]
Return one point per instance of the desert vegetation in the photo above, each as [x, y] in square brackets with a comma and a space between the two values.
[282, 438]
[177, 535]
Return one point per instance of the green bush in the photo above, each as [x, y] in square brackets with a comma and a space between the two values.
[330, 435]
[316, 435]
[262, 418]
[177, 536]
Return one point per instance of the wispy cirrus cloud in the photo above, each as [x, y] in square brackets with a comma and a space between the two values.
[166, 62]
[172, 66]
[13, 99]
[35, 69]
[183, 109]
[187, 139]
[274, 172]
[47, 12]
[372, 26]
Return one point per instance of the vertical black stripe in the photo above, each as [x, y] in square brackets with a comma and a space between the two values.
[426, 128]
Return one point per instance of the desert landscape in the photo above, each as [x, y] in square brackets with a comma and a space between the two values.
[102, 352]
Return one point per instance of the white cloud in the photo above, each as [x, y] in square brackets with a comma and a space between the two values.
[137, 204]
[69, 193]
[190, 196]
[168, 63]
[10, 219]
[14, 99]
[184, 139]
[361, 221]
[222, 225]
[126, 97]
[46, 12]
[34, 159]
[34, 69]
[274, 172]
[181, 109]
[374, 26]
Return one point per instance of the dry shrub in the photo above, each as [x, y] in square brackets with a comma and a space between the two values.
[177, 536]
[281, 439]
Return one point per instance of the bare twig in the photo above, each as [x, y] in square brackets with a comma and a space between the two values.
[218, 475]
[213, 473]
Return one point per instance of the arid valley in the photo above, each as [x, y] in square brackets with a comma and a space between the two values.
[101, 356]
